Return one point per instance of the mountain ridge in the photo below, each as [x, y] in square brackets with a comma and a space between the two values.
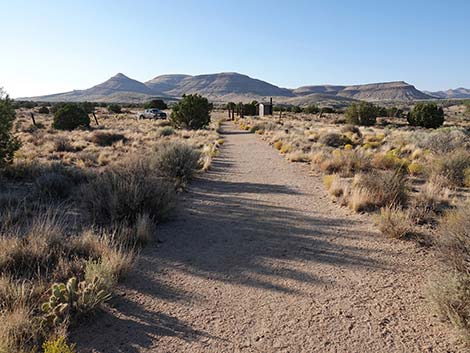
[232, 86]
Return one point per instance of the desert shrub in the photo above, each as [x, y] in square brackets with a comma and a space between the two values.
[390, 160]
[249, 109]
[378, 189]
[362, 113]
[43, 110]
[395, 222]
[453, 167]
[114, 108]
[70, 116]
[58, 345]
[394, 112]
[177, 161]
[126, 192]
[191, 112]
[333, 139]
[327, 110]
[53, 185]
[444, 140]
[156, 104]
[427, 115]
[167, 131]
[295, 109]
[311, 109]
[106, 138]
[429, 203]
[451, 286]
[8, 143]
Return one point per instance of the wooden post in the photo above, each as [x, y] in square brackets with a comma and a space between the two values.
[32, 118]
[96, 119]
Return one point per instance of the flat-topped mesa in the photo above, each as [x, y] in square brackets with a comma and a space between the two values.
[232, 86]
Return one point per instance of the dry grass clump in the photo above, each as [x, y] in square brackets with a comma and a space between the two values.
[450, 289]
[19, 331]
[345, 162]
[378, 189]
[62, 144]
[334, 185]
[453, 167]
[395, 222]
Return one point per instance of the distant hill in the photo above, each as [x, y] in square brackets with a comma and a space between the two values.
[231, 86]
[458, 93]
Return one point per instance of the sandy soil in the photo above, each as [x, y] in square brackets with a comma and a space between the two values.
[258, 259]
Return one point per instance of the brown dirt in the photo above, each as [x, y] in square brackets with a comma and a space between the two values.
[259, 260]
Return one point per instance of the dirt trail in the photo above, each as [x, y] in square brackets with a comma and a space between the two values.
[259, 259]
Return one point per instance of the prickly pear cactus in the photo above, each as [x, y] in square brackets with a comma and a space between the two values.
[73, 298]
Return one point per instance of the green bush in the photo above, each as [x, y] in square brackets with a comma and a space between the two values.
[114, 108]
[362, 113]
[295, 109]
[311, 109]
[249, 109]
[43, 110]
[70, 116]
[394, 112]
[191, 112]
[156, 104]
[8, 143]
[427, 115]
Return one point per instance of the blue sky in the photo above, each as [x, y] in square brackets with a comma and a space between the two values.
[56, 46]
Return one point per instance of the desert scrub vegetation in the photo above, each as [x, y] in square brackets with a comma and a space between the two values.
[425, 170]
[450, 286]
[8, 142]
[76, 205]
[71, 116]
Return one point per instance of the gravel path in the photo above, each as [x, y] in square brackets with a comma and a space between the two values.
[258, 259]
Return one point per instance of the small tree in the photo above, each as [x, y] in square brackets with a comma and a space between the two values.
[191, 112]
[427, 115]
[8, 143]
[89, 107]
[43, 110]
[70, 116]
[114, 108]
[249, 109]
[394, 112]
[156, 104]
[362, 113]
[295, 109]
